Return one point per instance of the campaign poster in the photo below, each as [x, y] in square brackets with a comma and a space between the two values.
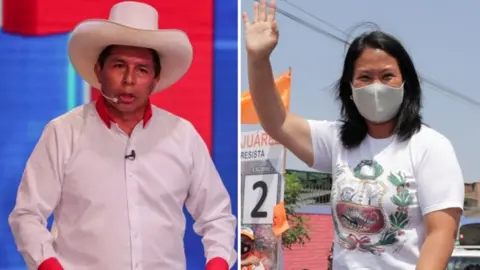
[262, 169]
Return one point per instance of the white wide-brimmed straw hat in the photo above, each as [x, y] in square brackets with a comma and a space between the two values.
[130, 24]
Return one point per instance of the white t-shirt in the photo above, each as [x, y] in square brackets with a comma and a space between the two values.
[381, 191]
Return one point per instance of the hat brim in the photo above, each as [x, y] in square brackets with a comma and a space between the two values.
[91, 37]
[249, 235]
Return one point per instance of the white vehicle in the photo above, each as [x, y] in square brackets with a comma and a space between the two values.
[465, 258]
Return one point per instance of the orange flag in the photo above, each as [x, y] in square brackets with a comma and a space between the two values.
[280, 223]
[248, 113]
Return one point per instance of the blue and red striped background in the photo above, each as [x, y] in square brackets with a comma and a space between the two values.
[39, 84]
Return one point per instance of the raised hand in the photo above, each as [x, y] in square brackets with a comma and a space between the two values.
[261, 34]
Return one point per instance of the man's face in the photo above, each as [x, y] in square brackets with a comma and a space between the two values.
[128, 74]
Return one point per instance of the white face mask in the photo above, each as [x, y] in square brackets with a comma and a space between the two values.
[378, 102]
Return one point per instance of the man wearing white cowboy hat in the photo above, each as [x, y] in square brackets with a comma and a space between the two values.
[116, 173]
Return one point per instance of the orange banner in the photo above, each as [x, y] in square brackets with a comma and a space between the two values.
[248, 113]
[280, 222]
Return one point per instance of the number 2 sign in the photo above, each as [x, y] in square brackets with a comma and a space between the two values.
[260, 195]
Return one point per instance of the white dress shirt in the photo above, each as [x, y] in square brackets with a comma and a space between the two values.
[113, 213]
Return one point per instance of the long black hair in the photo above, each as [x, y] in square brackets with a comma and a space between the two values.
[408, 120]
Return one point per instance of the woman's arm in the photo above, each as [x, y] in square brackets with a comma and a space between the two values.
[291, 131]
[261, 37]
[310, 141]
[441, 193]
[441, 231]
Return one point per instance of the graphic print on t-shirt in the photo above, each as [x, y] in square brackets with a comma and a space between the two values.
[360, 220]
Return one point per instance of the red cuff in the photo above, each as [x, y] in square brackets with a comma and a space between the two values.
[217, 263]
[51, 264]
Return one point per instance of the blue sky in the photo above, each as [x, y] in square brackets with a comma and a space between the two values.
[441, 36]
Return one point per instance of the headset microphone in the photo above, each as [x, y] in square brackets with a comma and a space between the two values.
[114, 99]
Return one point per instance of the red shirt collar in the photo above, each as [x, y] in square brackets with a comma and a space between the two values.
[107, 119]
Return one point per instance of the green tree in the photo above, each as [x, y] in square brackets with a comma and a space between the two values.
[298, 232]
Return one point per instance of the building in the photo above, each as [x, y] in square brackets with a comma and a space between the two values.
[472, 199]
[315, 209]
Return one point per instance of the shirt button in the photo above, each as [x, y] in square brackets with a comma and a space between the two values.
[130, 174]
